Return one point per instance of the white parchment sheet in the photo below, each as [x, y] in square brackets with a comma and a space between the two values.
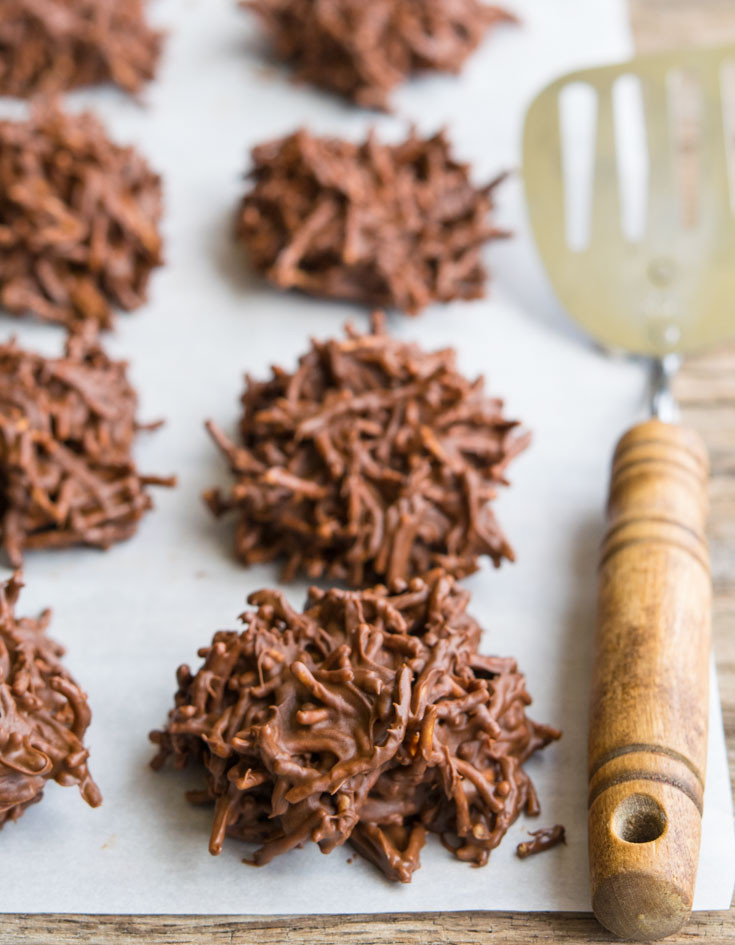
[130, 616]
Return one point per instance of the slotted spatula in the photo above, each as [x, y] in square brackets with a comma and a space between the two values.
[669, 290]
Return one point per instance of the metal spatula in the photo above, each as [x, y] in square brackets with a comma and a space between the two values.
[662, 292]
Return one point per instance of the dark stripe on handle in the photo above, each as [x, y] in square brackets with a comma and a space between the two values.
[651, 749]
[644, 776]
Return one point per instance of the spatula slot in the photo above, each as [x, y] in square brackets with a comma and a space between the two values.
[685, 117]
[577, 124]
[632, 155]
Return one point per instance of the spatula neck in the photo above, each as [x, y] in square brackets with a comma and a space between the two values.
[663, 402]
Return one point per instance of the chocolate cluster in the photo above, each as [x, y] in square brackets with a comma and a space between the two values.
[67, 426]
[43, 713]
[363, 50]
[373, 460]
[370, 718]
[47, 46]
[394, 226]
[78, 220]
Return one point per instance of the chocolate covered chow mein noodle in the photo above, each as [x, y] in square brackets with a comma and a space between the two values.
[43, 713]
[78, 220]
[362, 50]
[370, 718]
[541, 840]
[396, 226]
[67, 426]
[374, 459]
[52, 45]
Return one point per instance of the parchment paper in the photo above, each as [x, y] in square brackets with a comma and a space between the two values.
[130, 616]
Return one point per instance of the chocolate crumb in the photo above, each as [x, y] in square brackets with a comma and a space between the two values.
[373, 460]
[364, 50]
[395, 226]
[545, 839]
[47, 46]
[43, 713]
[67, 427]
[369, 718]
[78, 220]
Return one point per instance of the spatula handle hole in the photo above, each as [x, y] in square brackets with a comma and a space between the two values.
[639, 818]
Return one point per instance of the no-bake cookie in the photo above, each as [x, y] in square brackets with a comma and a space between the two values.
[363, 50]
[387, 225]
[43, 713]
[373, 460]
[47, 46]
[67, 426]
[78, 220]
[370, 718]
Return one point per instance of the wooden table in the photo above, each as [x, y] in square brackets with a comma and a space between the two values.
[707, 393]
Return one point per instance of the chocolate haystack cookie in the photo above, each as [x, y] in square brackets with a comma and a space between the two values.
[67, 427]
[395, 226]
[78, 220]
[47, 46]
[373, 460]
[370, 718]
[362, 50]
[43, 713]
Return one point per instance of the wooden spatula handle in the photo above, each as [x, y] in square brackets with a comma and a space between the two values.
[649, 700]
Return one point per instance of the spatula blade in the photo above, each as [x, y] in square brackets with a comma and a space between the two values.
[673, 289]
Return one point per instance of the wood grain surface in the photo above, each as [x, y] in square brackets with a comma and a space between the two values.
[707, 392]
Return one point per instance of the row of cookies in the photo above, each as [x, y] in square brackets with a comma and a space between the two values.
[370, 717]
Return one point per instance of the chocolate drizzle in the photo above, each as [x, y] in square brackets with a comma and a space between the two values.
[369, 718]
[47, 46]
[373, 460]
[67, 427]
[78, 220]
[363, 50]
[395, 226]
[43, 713]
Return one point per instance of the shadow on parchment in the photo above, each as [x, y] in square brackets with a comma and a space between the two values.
[229, 255]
